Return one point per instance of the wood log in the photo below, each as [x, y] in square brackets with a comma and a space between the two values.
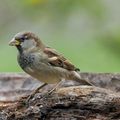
[98, 102]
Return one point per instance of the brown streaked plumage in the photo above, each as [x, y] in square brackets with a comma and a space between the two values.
[42, 62]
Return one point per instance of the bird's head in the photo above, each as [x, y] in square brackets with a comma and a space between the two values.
[26, 41]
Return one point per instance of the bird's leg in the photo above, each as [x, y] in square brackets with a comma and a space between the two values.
[56, 86]
[35, 91]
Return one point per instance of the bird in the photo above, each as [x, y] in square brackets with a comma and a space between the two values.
[42, 62]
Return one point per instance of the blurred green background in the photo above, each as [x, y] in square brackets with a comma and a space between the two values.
[86, 31]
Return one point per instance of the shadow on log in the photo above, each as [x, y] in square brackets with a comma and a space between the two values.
[99, 102]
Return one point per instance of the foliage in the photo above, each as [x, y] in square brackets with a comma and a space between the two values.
[87, 32]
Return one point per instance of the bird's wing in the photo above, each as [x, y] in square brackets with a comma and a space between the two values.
[58, 60]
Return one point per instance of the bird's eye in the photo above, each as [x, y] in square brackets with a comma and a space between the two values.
[22, 39]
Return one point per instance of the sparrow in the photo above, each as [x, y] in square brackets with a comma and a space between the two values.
[42, 62]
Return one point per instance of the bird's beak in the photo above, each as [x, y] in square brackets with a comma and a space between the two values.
[14, 42]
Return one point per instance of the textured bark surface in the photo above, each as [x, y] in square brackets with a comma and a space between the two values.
[69, 102]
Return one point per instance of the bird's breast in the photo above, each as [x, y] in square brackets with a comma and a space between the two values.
[25, 60]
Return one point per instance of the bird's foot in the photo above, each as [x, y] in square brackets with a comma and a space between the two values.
[27, 100]
[47, 94]
[42, 96]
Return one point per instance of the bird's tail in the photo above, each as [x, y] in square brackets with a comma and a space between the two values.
[76, 77]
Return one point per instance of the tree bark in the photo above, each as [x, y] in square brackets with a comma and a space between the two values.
[68, 102]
